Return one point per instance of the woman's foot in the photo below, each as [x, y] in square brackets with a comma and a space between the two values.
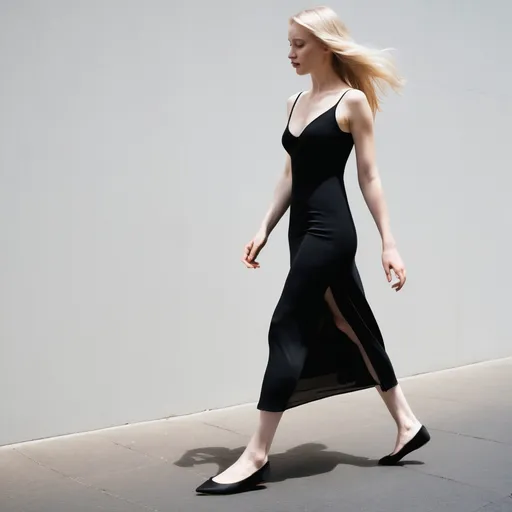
[416, 441]
[243, 468]
[405, 434]
[252, 468]
[244, 475]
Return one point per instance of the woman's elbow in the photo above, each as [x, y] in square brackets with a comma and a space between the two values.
[366, 174]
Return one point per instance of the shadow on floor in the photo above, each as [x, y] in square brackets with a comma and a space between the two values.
[301, 461]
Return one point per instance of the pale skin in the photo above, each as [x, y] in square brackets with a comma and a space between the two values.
[309, 56]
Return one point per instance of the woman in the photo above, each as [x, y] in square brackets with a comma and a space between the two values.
[323, 337]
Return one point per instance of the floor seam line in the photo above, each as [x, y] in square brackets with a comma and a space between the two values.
[433, 429]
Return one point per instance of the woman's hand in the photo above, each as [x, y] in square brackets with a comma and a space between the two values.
[252, 249]
[391, 260]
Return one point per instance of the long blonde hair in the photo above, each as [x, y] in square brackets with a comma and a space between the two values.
[360, 67]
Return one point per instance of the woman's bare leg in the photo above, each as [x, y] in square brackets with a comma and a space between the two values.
[255, 454]
[407, 423]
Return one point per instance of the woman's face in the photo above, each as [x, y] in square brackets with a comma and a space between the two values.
[306, 51]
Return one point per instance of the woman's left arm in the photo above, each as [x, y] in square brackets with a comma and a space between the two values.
[361, 127]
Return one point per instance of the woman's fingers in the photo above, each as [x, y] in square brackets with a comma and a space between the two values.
[247, 251]
[246, 263]
[250, 253]
[250, 264]
[254, 252]
[401, 276]
[387, 269]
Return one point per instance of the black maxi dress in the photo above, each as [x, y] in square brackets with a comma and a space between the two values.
[309, 357]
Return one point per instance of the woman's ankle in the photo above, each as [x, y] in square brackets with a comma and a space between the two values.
[256, 455]
[407, 424]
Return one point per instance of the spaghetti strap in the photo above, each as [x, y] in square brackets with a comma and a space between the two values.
[293, 106]
[336, 104]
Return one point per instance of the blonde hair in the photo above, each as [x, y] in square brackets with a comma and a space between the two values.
[360, 67]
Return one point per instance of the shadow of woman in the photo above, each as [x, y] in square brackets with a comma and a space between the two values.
[298, 462]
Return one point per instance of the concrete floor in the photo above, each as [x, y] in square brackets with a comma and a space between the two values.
[323, 458]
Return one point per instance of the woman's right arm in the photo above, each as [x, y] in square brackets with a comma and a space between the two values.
[281, 200]
[283, 189]
[278, 207]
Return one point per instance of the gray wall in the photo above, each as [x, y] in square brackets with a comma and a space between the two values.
[140, 145]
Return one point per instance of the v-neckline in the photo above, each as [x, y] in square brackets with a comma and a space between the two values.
[316, 118]
[309, 124]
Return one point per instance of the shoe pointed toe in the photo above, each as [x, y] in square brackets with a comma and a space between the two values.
[206, 486]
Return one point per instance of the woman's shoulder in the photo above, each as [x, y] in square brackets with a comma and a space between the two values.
[293, 97]
[357, 107]
[356, 98]
[291, 100]
[296, 94]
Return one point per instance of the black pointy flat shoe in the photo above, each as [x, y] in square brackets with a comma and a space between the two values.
[211, 487]
[420, 439]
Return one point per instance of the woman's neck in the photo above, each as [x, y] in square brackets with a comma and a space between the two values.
[325, 81]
